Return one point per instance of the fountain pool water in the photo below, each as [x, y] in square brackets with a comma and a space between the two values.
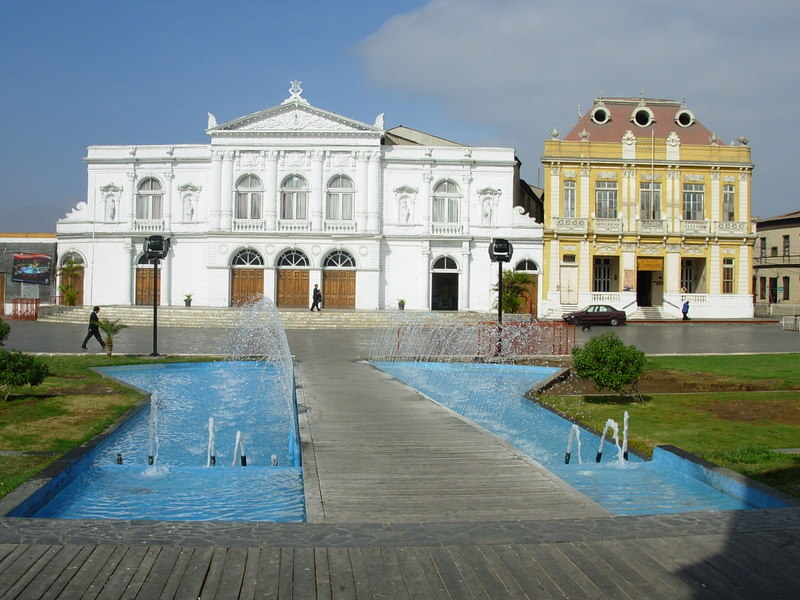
[492, 396]
[184, 457]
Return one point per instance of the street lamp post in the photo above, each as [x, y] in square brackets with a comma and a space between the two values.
[155, 248]
[500, 251]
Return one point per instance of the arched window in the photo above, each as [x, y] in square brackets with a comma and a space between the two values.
[446, 202]
[247, 257]
[149, 199]
[445, 263]
[248, 197]
[339, 205]
[527, 266]
[293, 259]
[339, 259]
[294, 198]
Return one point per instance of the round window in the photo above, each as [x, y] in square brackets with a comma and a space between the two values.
[600, 115]
[642, 117]
[684, 118]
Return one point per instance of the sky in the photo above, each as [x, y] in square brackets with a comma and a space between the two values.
[76, 73]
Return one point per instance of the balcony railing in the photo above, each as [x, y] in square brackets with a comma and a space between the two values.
[571, 225]
[148, 225]
[249, 225]
[447, 228]
[294, 225]
[652, 226]
[695, 227]
[339, 226]
[608, 225]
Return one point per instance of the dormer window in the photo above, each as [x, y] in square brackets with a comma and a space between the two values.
[642, 116]
[600, 115]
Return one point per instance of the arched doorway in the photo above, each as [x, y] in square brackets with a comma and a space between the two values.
[339, 280]
[247, 277]
[444, 284]
[292, 284]
[71, 272]
[530, 268]
[144, 282]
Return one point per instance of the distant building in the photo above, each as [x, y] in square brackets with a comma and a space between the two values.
[644, 209]
[293, 196]
[776, 266]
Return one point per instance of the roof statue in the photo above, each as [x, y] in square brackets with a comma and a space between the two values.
[295, 90]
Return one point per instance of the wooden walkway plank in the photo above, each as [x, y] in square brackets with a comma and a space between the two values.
[233, 572]
[526, 572]
[191, 583]
[304, 573]
[63, 586]
[343, 585]
[286, 573]
[181, 563]
[141, 573]
[486, 574]
[164, 568]
[450, 573]
[114, 556]
[40, 574]
[119, 577]
[572, 582]
[414, 577]
[641, 572]
[587, 558]
[385, 580]
[268, 573]
[17, 563]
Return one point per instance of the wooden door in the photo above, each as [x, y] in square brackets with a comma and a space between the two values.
[293, 289]
[74, 281]
[531, 297]
[144, 287]
[339, 289]
[247, 285]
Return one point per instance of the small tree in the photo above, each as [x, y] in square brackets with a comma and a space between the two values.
[18, 369]
[110, 328]
[515, 292]
[5, 329]
[610, 364]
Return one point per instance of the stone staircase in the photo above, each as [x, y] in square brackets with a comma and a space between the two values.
[175, 316]
[650, 313]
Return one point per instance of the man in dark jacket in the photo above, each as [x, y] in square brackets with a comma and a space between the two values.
[94, 329]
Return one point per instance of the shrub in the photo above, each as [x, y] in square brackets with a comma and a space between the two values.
[5, 329]
[18, 369]
[610, 364]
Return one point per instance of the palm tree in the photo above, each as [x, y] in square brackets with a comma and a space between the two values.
[515, 292]
[111, 328]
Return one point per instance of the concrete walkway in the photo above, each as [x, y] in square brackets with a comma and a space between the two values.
[382, 528]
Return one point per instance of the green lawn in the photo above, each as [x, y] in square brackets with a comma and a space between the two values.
[737, 429]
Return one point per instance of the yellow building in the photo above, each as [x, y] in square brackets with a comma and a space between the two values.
[646, 209]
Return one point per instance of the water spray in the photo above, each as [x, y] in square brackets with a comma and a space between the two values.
[212, 458]
[574, 435]
[239, 448]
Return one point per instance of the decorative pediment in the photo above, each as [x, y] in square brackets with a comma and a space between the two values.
[294, 118]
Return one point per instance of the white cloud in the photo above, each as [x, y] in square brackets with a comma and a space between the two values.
[523, 66]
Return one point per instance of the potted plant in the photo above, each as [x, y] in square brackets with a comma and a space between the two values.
[187, 299]
[401, 303]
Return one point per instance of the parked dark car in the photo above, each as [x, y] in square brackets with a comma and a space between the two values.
[596, 314]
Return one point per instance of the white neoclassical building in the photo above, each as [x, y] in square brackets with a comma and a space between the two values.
[293, 196]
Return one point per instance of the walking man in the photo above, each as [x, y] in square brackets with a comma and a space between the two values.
[94, 328]
[316, 297]
[685, 311]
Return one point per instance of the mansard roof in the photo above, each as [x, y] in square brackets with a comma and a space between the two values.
[610, 118]
[404, 136]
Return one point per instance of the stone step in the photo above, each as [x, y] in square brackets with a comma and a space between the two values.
[174, 316]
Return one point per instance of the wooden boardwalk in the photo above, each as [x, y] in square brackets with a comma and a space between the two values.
[407, 500]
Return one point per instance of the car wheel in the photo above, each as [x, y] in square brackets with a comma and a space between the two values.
[575, 321]
[614, 322]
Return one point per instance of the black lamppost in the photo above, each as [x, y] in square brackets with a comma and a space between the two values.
[155, 248]
[500, 251]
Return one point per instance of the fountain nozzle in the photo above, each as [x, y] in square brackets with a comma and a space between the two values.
[566, 458]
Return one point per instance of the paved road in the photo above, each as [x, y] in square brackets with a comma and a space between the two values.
[668, 338]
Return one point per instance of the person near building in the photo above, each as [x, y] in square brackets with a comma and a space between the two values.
[685, 311]
[316, 297]
[94, 328]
